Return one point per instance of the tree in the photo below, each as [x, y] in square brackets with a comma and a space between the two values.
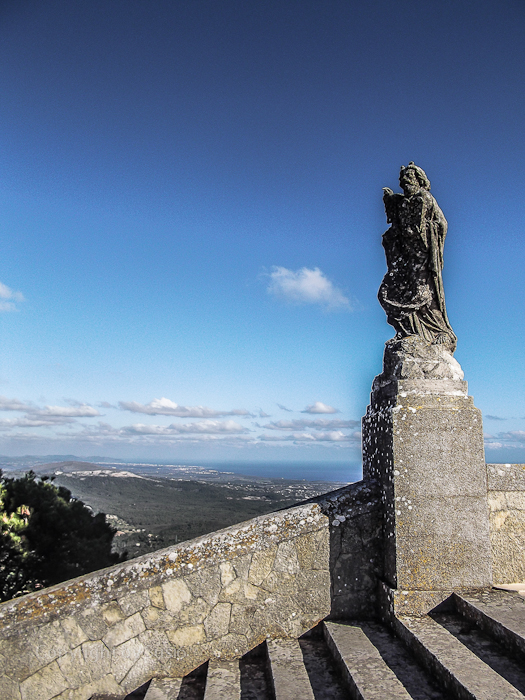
[47, 536]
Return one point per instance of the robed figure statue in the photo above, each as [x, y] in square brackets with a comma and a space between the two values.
[411, 292]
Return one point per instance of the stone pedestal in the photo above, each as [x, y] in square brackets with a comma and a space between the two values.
[423, 442]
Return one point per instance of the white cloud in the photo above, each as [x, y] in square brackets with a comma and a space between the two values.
[13, 405]
[165, 407]
[331, 436]
[511, 439]
[319, 407]
[8, 298]
[283, 408]
[33, 421]
[318, 424]
[225, 432]
[80, 411]
[56, 424]
[513, 436]
[209, 427]
[47, 417]
[306, 286]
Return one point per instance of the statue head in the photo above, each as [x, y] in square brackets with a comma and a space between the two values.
[413, 178]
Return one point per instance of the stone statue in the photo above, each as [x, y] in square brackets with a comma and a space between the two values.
[411, 292]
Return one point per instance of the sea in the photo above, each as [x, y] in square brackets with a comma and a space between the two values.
[330, 471]
[340, 472]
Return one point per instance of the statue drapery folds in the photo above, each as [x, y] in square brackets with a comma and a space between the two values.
[411, 292]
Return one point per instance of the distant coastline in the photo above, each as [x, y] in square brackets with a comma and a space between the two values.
[330, 471]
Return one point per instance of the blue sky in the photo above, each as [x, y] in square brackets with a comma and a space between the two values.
[191, 215]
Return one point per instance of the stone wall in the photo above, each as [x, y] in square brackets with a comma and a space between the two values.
[356, 549]
[506, 484]
[215, 596]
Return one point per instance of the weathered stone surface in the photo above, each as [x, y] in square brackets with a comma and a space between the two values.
[227, 573]
[404, 602]
[241, 566]
[311, 587]
[206, 584]
[240, 591]
[125, 656]
[461, 672]
[157, 645]
[280, 582]
[214, 597]
[426, 450]
[506, 477]
[195, 612]
[146, 667]
[176, 594]
[355, 545]
[164, 689]
[288, 673]
[134, 602]
[242, 619]
[218, 621]
[97, 658]
[9, 688]
[155, 618]
[92, 623]
[112, 613]
[286, 558]
[19, 660]
[156, 597]
[44, 684]
[506, 499]
[187, 636]
[49, 642]
[365, 671]
[73, 633]
[313, 551]
[74, 668]
[105, 688]
[415, 358]
[231, 646]
[124, 630]
[507, 533]
[223, 681]
[261, 565]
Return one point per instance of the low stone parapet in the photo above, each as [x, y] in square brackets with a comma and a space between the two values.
[167, 612]
[506, 498]
[216, 596]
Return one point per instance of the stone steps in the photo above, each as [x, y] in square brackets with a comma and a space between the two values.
[380, 664]
[287, 670]
[364, 670]
[191, 687]
[223, 681]
[457, 666]
[164, 689]
[334, 662]
[474, 649]
[500, 614]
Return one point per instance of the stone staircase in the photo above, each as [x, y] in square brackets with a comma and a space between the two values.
[470, 647]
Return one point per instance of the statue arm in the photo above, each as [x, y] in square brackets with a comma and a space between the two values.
[391, 201]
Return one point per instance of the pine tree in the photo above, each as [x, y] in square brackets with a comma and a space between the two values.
[47, 536]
